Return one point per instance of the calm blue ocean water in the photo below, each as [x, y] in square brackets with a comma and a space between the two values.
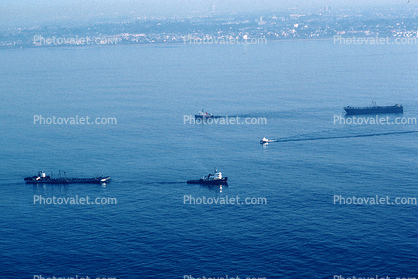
[297, 86]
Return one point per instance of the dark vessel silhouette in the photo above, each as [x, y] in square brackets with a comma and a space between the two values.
[374, 109]
[212, 179]
[43, 178]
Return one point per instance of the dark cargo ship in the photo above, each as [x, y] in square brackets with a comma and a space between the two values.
[43, 178]
[374, 109]
[212, 179]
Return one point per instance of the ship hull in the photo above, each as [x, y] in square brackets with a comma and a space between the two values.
[96, 180]
[373, 110]
[206, 117]
[209, 182]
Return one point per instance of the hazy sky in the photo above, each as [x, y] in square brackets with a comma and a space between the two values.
[18, 13]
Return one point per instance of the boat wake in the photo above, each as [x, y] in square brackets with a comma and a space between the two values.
[164, 182]
[307, 137]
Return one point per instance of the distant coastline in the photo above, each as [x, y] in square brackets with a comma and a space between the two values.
[226, 29]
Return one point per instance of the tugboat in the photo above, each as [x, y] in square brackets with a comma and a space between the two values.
[265, 141]
[43, 178]
[204, 115]
[213, 179]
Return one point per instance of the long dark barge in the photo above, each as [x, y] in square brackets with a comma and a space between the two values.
[211, 179]
[373, 110]
[43, 178]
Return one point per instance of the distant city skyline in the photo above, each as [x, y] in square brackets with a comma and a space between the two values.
[23, 13]
[255, 28]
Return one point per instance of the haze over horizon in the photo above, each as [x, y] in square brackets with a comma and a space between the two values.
[24, 13]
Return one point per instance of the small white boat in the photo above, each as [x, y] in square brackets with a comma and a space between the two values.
[264, 141]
